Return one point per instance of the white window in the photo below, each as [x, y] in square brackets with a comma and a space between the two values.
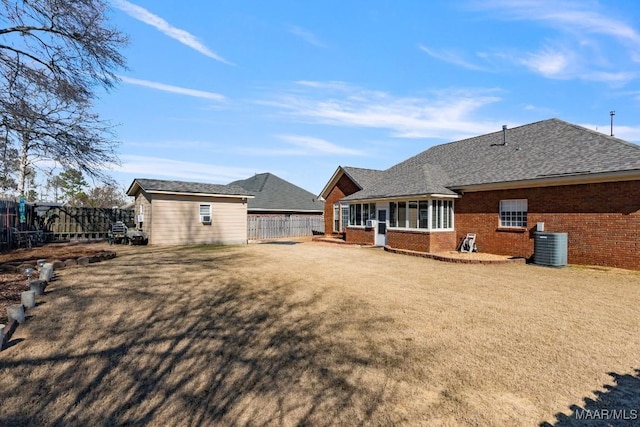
[336, 217]
[359, 213]
[415, 214]
[345, 216]
[205, 213]
[441, 214]
[513, 213]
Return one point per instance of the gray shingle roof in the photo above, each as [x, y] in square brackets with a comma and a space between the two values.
[538, 150]
[363, 177]
[151, 185]
[275, 194]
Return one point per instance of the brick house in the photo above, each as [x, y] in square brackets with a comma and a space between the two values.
[500, 186]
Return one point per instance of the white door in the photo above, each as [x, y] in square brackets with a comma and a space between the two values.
[381, 227]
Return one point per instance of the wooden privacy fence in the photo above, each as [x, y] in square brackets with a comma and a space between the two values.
[275, 227]
[45, 223]
[66, 223]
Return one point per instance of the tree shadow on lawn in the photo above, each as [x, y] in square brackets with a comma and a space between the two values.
[221, 353]
[618, 405]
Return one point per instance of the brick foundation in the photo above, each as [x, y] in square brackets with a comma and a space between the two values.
[360, 236]
[421, 241]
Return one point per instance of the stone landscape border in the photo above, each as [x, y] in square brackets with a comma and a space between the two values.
[16, 312]
[445, 258]
[437, 257]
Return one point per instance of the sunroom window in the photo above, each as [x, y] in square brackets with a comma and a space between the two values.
[421, 214]
[359, 213]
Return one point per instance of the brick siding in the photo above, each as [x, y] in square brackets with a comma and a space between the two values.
[437, 241]
[360, 236]
[602, 221]
[343, 188]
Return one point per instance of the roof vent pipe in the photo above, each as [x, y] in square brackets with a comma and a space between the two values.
[504, 134]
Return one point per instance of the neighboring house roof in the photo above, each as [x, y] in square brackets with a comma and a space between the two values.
[275, 194]
[549, 151]
[185, 188]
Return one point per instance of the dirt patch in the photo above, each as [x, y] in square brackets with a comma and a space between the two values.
[12, 284]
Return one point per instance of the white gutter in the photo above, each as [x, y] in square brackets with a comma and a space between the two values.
[553, 180]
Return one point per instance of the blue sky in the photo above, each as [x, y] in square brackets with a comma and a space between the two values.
[220, 90]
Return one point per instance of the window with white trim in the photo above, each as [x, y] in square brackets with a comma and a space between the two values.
[421, 214]
[359, 213]
[345, 216]
[205, 214]
[513, 213]
[441, 214]
[336, 217]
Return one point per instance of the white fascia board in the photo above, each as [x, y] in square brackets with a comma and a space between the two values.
[414, 197]
[177, 193]
[553, 181]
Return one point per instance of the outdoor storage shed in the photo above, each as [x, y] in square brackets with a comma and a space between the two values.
[184, 213]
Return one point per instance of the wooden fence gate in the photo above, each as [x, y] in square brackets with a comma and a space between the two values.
[275, 227]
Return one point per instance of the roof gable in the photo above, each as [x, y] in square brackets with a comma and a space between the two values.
[363, 178]
[275, 194]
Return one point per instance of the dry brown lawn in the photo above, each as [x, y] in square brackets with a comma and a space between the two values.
[319, 334]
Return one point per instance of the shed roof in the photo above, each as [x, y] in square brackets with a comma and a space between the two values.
[275, 194]
[185, 187]
[538, 151]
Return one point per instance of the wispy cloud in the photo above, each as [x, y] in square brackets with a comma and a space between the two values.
[150, 167]
[452, 58]
[302, 145]
[548, 62]
[581, 17]
[587, 35]
[307, 36]
[163, 26]
[445, 114]
[627, 133]
[311, 144]
[173, 89]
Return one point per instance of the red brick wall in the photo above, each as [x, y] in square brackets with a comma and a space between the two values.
[437, 241]
[343, 188]
[361, 236]
[442, 241]
[602, 221]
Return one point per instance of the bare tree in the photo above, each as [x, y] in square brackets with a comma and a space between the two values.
[10, 167]
[53, 55]
[69, 41]
[105, 196]
[61, 129]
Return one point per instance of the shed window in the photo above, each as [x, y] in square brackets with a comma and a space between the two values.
[205, 214]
